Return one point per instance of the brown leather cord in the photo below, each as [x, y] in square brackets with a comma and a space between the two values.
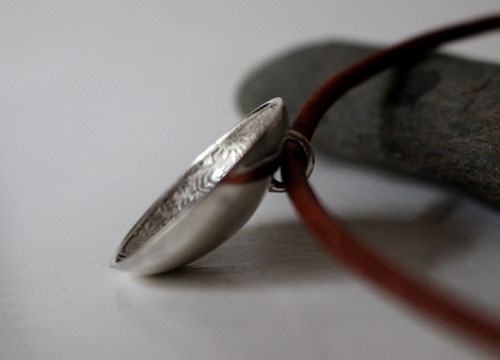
[341, 245]
[422, 297]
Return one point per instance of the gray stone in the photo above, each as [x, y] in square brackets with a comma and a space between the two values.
[438, 117]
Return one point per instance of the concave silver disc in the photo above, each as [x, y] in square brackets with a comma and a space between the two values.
[199, 212]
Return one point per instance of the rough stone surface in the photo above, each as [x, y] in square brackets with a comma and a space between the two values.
[438, 117]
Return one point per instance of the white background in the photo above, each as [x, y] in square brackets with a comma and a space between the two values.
[105, 103]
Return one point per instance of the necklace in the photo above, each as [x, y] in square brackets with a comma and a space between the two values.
[225, 184]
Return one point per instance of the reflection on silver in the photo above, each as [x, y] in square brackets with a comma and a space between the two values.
[199, 212]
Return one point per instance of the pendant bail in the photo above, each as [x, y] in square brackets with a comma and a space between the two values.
[292, 135]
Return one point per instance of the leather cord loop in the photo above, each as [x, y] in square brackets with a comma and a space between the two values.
[295, 166]
[425, 298]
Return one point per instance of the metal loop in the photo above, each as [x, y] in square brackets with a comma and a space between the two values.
[279, 186]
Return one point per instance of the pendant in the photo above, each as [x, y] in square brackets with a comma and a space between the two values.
[200, 211]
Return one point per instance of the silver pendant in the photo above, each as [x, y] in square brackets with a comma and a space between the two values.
[200, 211]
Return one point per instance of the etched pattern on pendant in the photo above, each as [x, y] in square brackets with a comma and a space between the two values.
[205, 173]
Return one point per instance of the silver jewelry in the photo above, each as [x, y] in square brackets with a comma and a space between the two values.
[200, 211]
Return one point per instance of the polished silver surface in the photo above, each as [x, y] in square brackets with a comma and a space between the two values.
[199, 211]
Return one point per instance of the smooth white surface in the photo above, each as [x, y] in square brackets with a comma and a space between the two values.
[103, 104]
